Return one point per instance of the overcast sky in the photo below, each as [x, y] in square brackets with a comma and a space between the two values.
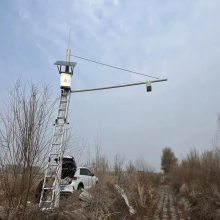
[174, 39]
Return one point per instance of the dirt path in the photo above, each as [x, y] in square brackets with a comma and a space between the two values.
[166, 207]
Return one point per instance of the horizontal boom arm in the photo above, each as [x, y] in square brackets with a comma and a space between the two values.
[116, 86]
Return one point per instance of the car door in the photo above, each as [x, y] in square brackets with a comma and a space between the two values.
[85, 178]
[91, 179]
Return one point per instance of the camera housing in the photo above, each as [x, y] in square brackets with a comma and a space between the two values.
[148, 86]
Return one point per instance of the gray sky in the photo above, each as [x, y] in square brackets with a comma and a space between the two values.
[178, 40]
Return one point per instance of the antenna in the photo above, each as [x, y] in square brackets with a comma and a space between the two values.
[68, 51]
[69, 38]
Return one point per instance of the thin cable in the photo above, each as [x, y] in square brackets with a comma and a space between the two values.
[115, 67]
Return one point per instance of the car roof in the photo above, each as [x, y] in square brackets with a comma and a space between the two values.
[83, 168]
[67, 156]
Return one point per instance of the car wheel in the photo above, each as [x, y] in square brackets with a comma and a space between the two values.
[80, 187]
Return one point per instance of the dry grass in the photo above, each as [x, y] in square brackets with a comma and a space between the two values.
[106, 203]
[200, 174]
[141, 189]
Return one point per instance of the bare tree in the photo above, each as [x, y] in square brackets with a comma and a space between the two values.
[118, 168]
[100, 163]
[24, 138]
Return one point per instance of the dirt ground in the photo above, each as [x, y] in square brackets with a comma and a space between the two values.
[167, 206]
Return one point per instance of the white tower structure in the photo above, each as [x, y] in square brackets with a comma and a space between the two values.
[50, 194]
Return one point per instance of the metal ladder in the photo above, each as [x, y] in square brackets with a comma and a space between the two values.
[50, 193]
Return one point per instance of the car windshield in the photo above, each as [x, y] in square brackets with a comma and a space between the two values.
[85, 172]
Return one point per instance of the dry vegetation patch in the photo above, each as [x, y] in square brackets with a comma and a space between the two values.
[197, 178]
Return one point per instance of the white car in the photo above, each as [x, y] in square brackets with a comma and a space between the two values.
[82, 179]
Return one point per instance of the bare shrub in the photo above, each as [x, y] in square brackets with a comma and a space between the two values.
[200, 173]
[188, 171]
[140, 184]
[107, 203]
[100, 163]
[118, 168]
[23, 140]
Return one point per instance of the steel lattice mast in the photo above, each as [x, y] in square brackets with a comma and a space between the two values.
[50, 194]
